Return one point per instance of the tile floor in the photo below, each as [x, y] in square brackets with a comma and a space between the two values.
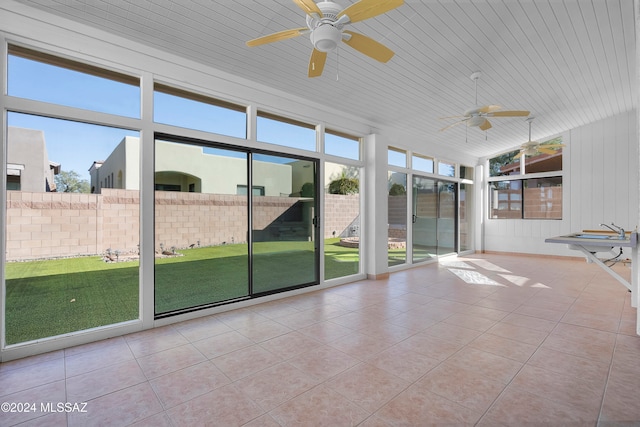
[487, 340]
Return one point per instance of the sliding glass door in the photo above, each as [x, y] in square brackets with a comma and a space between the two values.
[230, 224]
[285, 253]
[201, 226]
[434, 218]
[424, 219]
[447, 214]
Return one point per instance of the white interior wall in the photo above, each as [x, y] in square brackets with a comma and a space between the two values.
[600, 185]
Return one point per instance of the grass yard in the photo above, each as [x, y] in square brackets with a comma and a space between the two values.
[53, 297]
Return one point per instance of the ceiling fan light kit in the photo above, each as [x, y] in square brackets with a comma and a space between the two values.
[325, 21]
[477, 116]
[325, 38]
[532, 148]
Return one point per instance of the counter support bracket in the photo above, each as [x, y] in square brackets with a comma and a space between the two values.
[592, 257]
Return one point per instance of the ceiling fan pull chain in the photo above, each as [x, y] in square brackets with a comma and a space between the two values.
[337, 64]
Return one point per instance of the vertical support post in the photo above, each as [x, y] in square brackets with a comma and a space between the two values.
[635, 270]
[376, 211]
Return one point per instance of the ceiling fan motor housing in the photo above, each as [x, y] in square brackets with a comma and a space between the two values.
[325, 34]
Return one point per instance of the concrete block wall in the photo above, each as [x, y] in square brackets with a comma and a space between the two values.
[52, 225]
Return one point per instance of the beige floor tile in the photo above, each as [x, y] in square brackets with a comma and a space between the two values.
[325, 331]
[319, 406]
[407, 365]
[84, 387]
[171, 360]
[417, 406]
[275, 385]
[264, 331]
[518, 333]
[244, 362]
[158, 420]
[516, 407]
[323, 362]
[426, 345]
[504, 347]
[490, 365]
[224, 406]
[568, 364]
[581, 341]
[198, 329]
[290, 344]
[360, 346]
[153, 344]
[466, 387]
[222, 344]
[16, 380]
[185, 384]
[31, 360]
[451, 332]
[48, 394]
[368, 386]
[530, 322]
[570, 390]
[97, 357]
[122, 407]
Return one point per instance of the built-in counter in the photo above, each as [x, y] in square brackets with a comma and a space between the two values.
[591, 242]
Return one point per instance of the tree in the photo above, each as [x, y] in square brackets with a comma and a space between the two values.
[308, 190]
[344, 185]
[70, 182]
[397, 190]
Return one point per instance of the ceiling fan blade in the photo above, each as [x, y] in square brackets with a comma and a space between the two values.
[546, 150]
[309, 7]
[485, 125]
[316, 63]
[452, 117]
[508, 114]
[520, 154]
[281, 35]
[489, 108]
[365, 9]
[368, 46]
[452, 125]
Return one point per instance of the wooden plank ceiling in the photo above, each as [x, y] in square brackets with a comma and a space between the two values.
[569, 62]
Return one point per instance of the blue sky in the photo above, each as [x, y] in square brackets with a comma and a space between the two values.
[77, 145]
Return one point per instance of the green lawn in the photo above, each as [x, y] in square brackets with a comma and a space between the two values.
[53, 297]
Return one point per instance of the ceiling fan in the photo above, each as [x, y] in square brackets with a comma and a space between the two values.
[532, 148]
[325, 23]
[477, 116]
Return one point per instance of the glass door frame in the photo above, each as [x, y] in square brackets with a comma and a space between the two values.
[438, 181]
[250, 152]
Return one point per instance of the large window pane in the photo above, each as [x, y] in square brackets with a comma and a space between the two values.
[446, 217]
[338, 144]
[284, 233]
[397, 157]
[506, 199]
[543, 198]
[422, 163]
[425, 217]
[446, 169]
[341, 220]
[46, 78]
[465, 211]
[201, 226]
[72, 256]
[397, 214]
[285, 132]
[189, 110]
